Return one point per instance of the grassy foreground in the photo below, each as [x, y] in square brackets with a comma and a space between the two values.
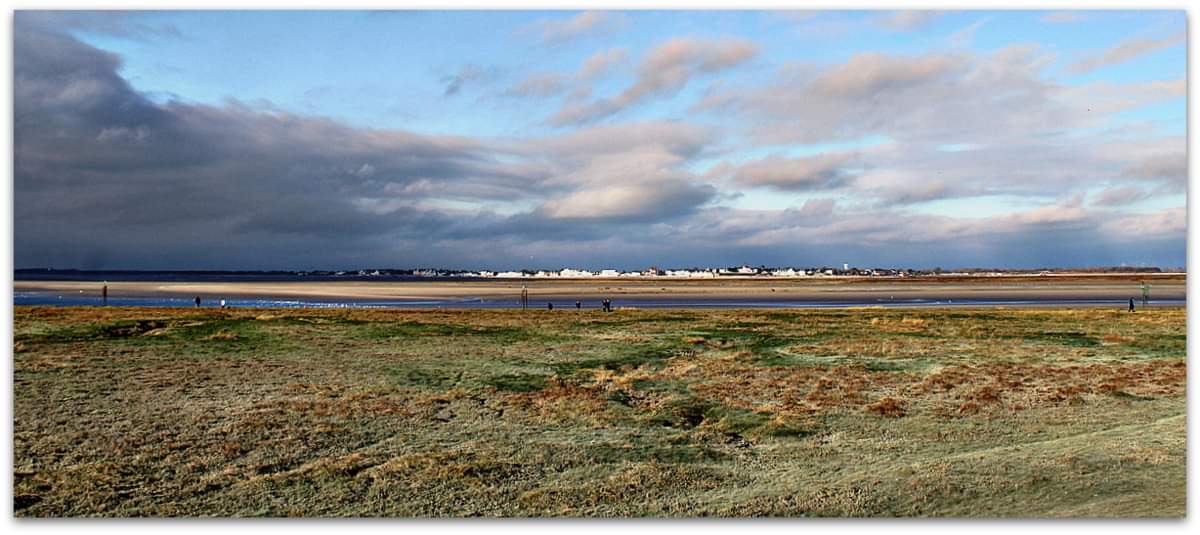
[867, 412]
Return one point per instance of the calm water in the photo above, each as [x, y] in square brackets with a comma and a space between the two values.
[68, 299]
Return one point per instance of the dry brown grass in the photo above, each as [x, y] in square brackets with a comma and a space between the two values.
[123, 412]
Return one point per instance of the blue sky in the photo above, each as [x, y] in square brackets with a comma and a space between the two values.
[607, 138]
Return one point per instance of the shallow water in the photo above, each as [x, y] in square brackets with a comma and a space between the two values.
[68, 299]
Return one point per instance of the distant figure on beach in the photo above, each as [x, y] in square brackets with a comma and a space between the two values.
[549, 306]
[222, 303]
[197, 301]
[104, 294]
[607, 305]
[578, 305]
[1131, 304]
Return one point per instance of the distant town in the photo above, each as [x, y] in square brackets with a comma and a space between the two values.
[653, 272]
[845, 270]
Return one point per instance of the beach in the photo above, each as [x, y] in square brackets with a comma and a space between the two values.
[1005, 290]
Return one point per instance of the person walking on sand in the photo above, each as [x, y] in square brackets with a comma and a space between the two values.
[578, 305]
[222, 303]
[197, 301]
[1131, 304]
[550, 306]
[104, 295]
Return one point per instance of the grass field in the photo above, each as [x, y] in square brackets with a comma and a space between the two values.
[861, 412]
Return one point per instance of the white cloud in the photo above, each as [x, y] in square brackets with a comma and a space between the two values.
[553, 31]
[908, 20]
[664, 70]
[1125, 51]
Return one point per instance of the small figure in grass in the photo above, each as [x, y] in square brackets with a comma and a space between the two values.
[1131, 304]
[197, 301]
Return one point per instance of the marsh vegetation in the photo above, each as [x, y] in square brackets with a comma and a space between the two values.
[862, 412]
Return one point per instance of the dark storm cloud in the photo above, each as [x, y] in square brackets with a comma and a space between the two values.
[103, 174]
[96, 163]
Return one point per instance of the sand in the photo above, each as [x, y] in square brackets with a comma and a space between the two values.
[1090, 287]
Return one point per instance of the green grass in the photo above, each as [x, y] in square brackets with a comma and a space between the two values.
[871, 412]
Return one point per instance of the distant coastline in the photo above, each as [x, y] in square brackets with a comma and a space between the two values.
[443, 275]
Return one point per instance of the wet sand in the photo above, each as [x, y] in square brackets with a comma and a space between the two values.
[1009, 288]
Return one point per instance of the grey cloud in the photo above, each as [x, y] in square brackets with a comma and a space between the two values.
[1119, 196]
[798, 174]
[682, 140]
[817, 208]
[955, 98]
[201, 174]
[453, 83]
[1125, 51]
[1170, 166]
[631, 202]
[875, 73]
[242, 185]
[1063, 234]
[114, 23]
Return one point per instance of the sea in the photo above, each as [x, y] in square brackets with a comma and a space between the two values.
[59, 298]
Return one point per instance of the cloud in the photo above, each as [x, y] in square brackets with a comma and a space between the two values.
[1125, 51]
[466, 74]
[114, 23]
[965, 36]
[873, 73]
[1168, 165]
[664, 70]
[1119, 196]
[106, 177]
[601, 62]
[817, 208]
[798, 174]
[907, 21]
[631, 202]
[161, 185]
[539, 85]
[1062, 17]
[551, 84]
[957, 97]
[554, 31]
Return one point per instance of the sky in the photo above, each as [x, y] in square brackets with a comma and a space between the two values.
[598, 139]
